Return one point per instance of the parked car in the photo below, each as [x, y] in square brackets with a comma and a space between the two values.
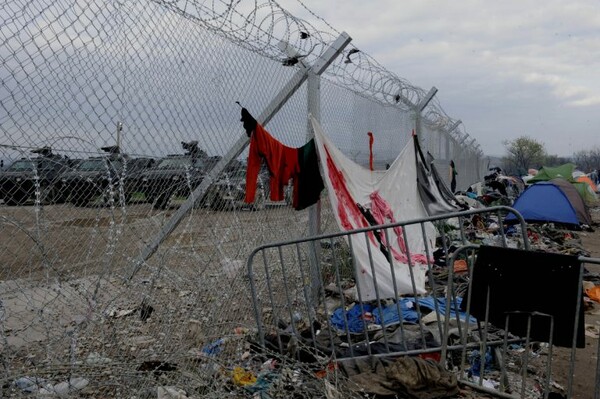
[174, 176]
[229, 191]
[18, 183]
[115, 174]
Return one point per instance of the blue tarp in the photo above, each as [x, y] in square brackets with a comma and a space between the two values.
[544, 202]
[391, 316]
[353, 316]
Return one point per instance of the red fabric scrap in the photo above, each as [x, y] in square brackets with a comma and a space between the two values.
[371, 140]
[282, 162]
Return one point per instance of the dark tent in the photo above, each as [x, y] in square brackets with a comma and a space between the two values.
[544, 202]
[572, 194]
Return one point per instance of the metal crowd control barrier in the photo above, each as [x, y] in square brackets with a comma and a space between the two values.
[486, 343]
[303, 309]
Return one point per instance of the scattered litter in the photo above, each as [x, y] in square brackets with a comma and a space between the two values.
[460, 266]
[95, 359]
[243, 377]
[142, 341]
[65, 388]
[118, 313]
[169, 392]
[214, 348]
[145, 311]
[487, 383]
[30, 384]
[592, 330]
[593, 293]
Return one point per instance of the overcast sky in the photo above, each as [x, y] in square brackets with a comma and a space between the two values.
[505, 68]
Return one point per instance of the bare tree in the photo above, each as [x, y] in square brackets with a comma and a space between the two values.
[587, 160]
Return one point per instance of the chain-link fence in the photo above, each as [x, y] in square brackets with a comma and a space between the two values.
[124, 231]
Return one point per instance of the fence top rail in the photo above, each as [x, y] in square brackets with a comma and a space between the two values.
[392, 225]
[581, 259]
[586, 259]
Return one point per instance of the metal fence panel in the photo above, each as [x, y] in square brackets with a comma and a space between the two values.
[282, 293]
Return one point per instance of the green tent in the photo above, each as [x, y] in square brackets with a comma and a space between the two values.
[585, 191]
[547, 173]
[565, 171]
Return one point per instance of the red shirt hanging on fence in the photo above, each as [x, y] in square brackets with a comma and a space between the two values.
[284, 163]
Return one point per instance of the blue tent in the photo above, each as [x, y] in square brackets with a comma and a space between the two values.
[544, 202]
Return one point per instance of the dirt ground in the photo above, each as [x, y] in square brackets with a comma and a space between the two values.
[90, 248]
[586, 363]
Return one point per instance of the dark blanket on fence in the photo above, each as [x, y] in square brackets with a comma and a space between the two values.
[528, 282]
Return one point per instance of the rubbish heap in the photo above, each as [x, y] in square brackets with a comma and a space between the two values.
[344, 347]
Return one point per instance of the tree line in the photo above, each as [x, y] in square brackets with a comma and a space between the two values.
[524, 153]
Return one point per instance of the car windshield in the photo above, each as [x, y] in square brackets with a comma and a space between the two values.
[175, 163]
[97, 165]
[19, 166]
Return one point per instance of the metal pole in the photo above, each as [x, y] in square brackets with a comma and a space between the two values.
[274, 106]
[119, 130]
[454, 126]
[427, 99]
[419, 109]
[440, 144]
[314, 211]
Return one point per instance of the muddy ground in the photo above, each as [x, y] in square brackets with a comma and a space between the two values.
[63, 269]
[585, 373]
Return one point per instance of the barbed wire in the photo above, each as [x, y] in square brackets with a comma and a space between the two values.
[264, 26]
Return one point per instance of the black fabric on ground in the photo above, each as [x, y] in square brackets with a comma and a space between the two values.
[432, 197]
[303, 347]
[413, 341]
[310, 183]
[528, 282]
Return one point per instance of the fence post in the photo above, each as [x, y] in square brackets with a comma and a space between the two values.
[419, 110]
[319, 66]
[314, 212]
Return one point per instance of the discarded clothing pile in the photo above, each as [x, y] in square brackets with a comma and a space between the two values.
[549, 238]
[243, 369]
[406, 377]
[361, 316]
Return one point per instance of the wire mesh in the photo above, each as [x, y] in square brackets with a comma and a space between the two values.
[111, 113]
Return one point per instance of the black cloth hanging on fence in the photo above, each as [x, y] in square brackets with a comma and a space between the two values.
[433, 196]
[528, 281]
[309, 181]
